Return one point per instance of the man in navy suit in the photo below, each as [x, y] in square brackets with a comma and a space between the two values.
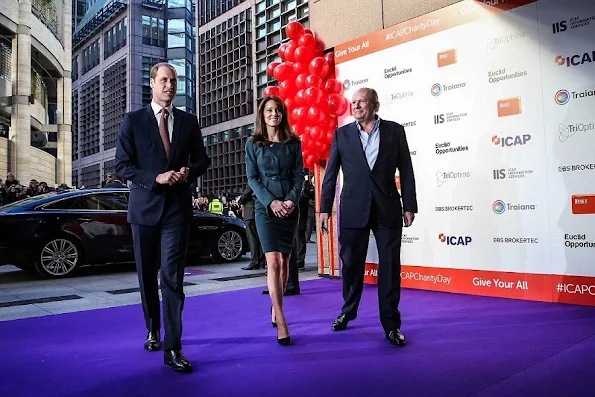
[369, 151]
[160, 150]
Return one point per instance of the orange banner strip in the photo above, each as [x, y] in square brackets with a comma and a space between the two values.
[425, 25]
[578, 290]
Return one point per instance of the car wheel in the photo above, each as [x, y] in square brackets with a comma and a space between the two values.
[228, 247]
[59, 257]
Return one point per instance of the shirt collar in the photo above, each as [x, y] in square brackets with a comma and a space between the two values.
[157, 108]
[376, 124]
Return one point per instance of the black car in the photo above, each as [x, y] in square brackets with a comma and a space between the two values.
[55, 233]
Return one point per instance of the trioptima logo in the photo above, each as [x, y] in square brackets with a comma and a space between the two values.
[443, 177]
[568, 130]
[493, 43]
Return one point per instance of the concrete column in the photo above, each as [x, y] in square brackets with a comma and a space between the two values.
[64, 159]
[20, 131]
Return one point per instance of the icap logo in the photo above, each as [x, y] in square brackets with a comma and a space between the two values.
[455, 240]
[511, 140]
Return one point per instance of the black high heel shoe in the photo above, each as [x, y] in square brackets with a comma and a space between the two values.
[272, 322]
[283, 341]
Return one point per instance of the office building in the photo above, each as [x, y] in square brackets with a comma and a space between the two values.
[114, 47]
[35, 71]
[235, 45]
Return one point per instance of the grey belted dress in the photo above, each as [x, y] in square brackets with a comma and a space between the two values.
[275, 172]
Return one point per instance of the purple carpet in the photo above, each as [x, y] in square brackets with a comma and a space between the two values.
[458, 345]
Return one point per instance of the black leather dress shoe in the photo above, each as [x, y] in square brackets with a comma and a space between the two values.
[291, 292]
[175, 359]
[396, 338]
[340, 323]
[153, 342]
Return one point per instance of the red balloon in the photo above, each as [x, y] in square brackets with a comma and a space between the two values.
[313, 96]
[319, 66]
[271, 90]
[281, 50]
[319, 46]
[332, 86]
[300, 114]
[290, 104]
[300, 81]
[307, 40]
[287, 89]
[343, 107]
[298, 128]
[307, 143]
[303, 54]
[300, 67]
[315, 114]
[308, 31]
[321, 148]
[294, 30]
[300, 98]
[313, 81]
[311, 161]
[316, 133]
[329, 136]
[330, 123]
[334, 103]
[282, 71]
[271, 67]
[290, 52]
[330, 58]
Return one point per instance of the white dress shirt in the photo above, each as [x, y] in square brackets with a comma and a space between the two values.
[370, 142]
[170, 118]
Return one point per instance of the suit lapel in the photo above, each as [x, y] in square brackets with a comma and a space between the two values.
[176, 133]
[383, 145]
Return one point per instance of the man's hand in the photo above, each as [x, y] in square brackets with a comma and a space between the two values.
[279, 208]
[408, 218]
[168, 178]
[323, 219]
[185, 172]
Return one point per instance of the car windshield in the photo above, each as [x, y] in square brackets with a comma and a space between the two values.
[27, 200]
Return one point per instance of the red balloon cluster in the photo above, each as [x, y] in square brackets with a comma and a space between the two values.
[310, 91]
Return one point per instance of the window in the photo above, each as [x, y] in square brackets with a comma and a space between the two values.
[153, 31]
[115, 38]
[67, 204]
[177, 3]
[103, 202]
[176, 31]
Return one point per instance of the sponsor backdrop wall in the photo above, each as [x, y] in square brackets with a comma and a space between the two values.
[498, 102]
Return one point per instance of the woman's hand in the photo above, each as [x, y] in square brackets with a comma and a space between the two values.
[279, 208]
[290, 206]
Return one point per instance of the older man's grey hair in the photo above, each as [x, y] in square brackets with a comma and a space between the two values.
[372, 93]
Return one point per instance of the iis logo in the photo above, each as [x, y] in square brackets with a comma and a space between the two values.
[559, 27]
[511, 140]
[575, 60]
[347, 85]
[436, 89]
[439, 119]
[499, 207]
[499, 174]
[562, 97]
[455, 240]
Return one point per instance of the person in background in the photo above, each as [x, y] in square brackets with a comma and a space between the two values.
[216, 207]
[246, 200]
[116, 182]
[275, 171]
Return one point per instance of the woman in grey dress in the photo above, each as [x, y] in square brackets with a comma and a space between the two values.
[275, 173]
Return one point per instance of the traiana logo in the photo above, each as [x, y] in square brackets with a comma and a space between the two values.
[454, 240]
[499, 207]
[516, 240]
[443, 177]
[493, 43]
[579, 240]
[500, 75]
[576, 59]
[510, 173]
[446, 148]
[566, 131]
[348, 84]
[438, 88]
[562, 97]
[395, 71]
[454, 208]
[397, 96]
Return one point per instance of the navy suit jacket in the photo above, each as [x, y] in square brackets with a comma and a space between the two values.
[140, 157]
[362, 186]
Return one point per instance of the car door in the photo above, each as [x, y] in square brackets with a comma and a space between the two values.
[102, 219]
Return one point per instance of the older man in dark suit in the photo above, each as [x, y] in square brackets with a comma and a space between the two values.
[160, 150]
[369, 151]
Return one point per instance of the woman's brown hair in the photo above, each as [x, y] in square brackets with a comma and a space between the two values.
[286, 133]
